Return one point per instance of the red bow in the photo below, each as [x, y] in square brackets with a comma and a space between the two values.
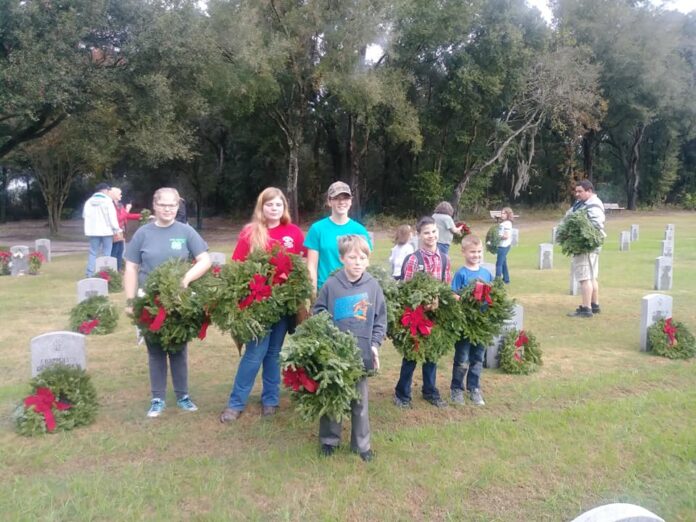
[104, 275]
[671, 331]
[283, 267]
[416, 320]
[296, 378]
[87, 326]
[43, 402]
[204, 328]
[522, 339]
[259, 290]
[216, 270]
[482, 291]
[154, 324]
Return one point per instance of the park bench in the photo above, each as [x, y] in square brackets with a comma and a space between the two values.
[495, 214]
[610, 207]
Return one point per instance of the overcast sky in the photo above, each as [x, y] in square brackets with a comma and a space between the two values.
[680, 5]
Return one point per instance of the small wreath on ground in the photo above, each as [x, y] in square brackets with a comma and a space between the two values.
[95, 315]
[484, 306]
[427, 320]
[321, 366]
[36, 259]
[520, 353]
[671, 339]
[493, 239]
[466, 230]
[5, 260]
[577, 235]
[61, 398]
[168, 314]
[114, 278]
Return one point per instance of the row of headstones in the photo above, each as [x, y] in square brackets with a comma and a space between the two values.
[414, 239]
[20, 264]
[663, 264]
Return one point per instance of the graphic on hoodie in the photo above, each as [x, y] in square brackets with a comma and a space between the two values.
[355, 306]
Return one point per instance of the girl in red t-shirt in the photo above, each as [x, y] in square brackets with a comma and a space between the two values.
[270, 225]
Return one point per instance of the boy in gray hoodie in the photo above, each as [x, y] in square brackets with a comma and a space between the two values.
[356, 303]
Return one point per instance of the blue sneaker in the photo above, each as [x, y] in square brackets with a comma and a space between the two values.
[156, 408]
[186, 404]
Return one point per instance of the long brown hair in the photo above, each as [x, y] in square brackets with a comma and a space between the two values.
[257, 229]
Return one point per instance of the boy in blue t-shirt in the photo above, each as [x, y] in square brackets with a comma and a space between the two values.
[468, 356]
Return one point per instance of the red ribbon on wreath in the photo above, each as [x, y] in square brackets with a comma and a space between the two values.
[204, 328]
[671, 331]
[258, 291]
[43, 402]
[154, 323]
[216, 269]
[521, 340]
[417, 323]
[87, 326]
[283, 266]
[297, 377]
[482, 292]
[104, 275]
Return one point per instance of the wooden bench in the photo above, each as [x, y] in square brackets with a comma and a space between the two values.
[610, 207]
[496, 214]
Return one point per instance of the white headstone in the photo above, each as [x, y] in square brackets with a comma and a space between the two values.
[554, 231]
[57, 348]
[414, 242]
[635, 232]
[516, 322]
[515, 237]
[545, 256]
[20, 260]
[667, 248]
[663, 273]
[669, 234]
[217, 258]
[653, 307]
[104, 262]
[574, 285]
[624, 241]
[91, 287]
[618, 513]
[43, 246]
[518, 316]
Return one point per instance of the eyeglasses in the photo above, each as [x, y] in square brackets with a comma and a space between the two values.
[167, 207]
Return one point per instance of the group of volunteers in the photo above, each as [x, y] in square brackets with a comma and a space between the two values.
[337, 251]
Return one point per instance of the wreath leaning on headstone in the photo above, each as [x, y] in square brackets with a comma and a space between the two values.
[671, 339]
[95, 315]
[62, 398]
[577, 235]
[520, 353]
[114, 278]
[5, 260]
[485, 306]
[493, 239]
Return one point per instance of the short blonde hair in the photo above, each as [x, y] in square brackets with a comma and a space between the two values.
[403, 234]
[470, 240]
[353, 242]
[160, 191]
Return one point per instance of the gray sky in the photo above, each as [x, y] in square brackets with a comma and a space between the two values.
[680, 5]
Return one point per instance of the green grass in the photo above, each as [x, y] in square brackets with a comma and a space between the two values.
[601, 422]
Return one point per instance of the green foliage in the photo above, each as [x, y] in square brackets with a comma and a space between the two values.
[524, 359]
[659, 342]
[493, 239]
[93, 308]
[440, 307]
[68, 384]
[5, 260]
[577, 235]
[332, 359]
[426, 189]
[483, 321]
[390, 289]
[113, 277]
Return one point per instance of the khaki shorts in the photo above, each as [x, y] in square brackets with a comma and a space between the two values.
[586, 266]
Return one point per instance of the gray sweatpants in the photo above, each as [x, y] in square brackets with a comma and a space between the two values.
[330, 430]
[157, 362]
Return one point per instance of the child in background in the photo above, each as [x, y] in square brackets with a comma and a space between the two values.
[356, 304]
[468, 357]
[402, 248]
[505, 232]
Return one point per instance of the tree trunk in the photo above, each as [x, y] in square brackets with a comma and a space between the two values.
[293, 175]
[588, 143]
[632, 171]
[354, 162]
[3, 193]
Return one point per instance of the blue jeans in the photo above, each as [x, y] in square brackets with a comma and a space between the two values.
[501, 268]
[97, 244]
[264, 352]
[443, 248]
[471, 356]
[403, 387]
[117, 251]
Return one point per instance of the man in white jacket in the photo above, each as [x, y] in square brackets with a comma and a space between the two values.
[101, 224]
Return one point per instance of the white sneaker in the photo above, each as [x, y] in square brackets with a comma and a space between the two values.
[156, 408]
[476, 397]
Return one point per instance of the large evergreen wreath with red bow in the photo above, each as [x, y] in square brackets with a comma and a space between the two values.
[61, 398]
[251, 296]
[671, 339]
[95, 315]
[321, 366]
[168, 314]
[425, 321]
[485, 306]
[520, 353]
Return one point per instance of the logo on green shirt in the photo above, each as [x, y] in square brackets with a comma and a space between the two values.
[177, 243]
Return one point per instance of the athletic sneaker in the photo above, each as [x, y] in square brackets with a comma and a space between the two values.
[436, 401]
[595, 308]
[156, 408]
[405, 405]
[457, 397]
[476, 397]
[367, 456]
[186, 404]
[327, 450]
[581, 311]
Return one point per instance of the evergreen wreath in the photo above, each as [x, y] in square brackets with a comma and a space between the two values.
[671, 339]
[61, 398]
[321, 366]
[520, 353]
[168, 314]
[113, 277]
[251, 296]
[36, 259]
[145, 216]
[95, 315]
[577, 235]
[484, 306]
[427, 320]
[466, 230]
[390, 289]
[5, 260]
[493, 239]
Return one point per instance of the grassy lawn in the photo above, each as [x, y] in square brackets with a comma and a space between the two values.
[601, 422]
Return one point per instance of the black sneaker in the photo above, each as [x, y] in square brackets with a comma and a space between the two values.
[400, 403]
[437, 402]
[581, 311]
[367, 456]
[327, 450]
[595, 308]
